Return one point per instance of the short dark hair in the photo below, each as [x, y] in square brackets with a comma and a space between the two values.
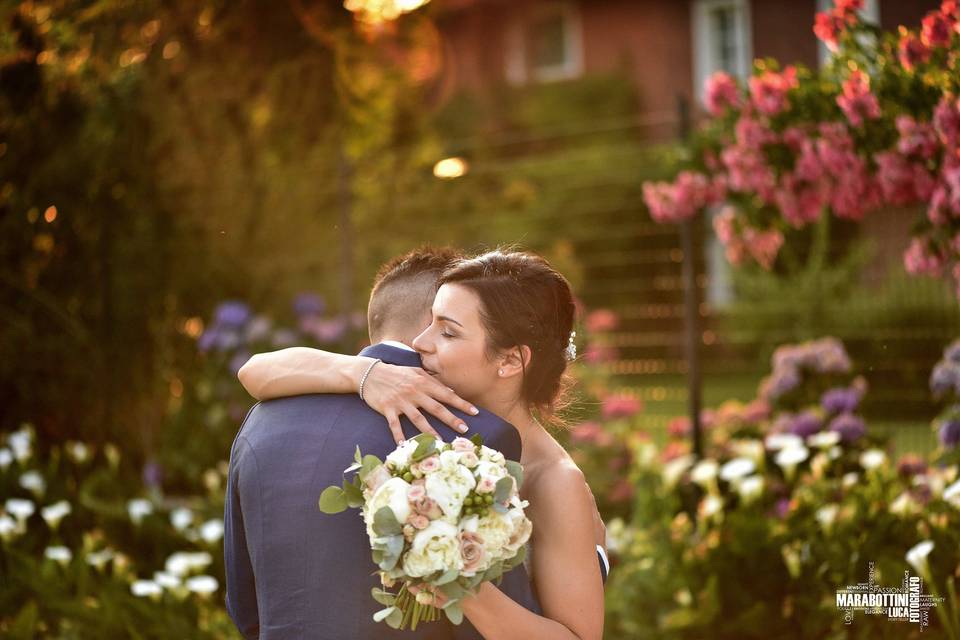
[404, 288]
[524, 301]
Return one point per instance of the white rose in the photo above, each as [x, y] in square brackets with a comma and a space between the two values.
[952, 494]
[449, 486]
[400, 457]
[675, 468]
[394, 494]
[522, 528]
[491, 455]
[496, 529]
[436, 548]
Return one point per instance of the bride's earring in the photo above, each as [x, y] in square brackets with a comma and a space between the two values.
[499, 372]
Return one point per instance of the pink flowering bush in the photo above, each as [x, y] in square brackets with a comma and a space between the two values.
[878, 127]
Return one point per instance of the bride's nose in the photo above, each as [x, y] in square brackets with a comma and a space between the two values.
[422, 343]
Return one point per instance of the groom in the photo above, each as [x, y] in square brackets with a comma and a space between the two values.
[292, 571]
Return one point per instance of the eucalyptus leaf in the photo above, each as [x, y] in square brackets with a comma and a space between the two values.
[425, 449]
[333, 500]
[368, 465]
[383, 597]
[515, 469]
[453, 590]
[477, 439]
[503, 490]
[395, 619]
[454, 613]
[385, 522]
[353, 494]
[449, 576]
[381, 615]
[493, 572]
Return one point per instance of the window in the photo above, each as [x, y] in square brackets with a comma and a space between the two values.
[870, 13]
[545, 45]
[721, 40]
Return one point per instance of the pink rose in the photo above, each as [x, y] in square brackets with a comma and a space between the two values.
[486, 485]
[427, 507]
[472, 551]
[417, 492]
[418, 521]
[431, 464]
[469, 459]
[462, 444]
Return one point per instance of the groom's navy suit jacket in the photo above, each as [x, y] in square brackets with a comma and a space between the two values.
[294, 572]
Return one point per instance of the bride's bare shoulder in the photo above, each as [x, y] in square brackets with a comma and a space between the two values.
[555, 478]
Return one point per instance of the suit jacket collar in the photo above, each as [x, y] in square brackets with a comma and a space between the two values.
[392, 355]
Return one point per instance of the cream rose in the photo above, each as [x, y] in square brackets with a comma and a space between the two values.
[436, 548]
[449, 486]
[392, 493]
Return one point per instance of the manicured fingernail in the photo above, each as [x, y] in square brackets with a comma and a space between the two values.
[474, 411]
[462, 427]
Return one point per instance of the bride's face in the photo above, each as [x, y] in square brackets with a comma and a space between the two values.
[453, 347]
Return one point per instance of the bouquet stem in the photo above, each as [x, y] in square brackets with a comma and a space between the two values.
[413, 611]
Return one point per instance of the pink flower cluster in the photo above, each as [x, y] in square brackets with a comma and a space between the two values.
[856, 101]
[721, 93]
[936, 32]
[684, 198]
[936, 144]
[829, 25]
[768, 91]
[762, 246]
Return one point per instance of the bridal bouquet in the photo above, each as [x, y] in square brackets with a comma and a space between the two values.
[444, 517]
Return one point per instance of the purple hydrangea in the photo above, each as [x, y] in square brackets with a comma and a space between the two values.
[208, 339]
[805, 424]
[308, 304]
[952, 352]
[781, 382]
[840, 400]
[945, 378]
[829, 356]
[152, 474]
[231, 314]
[950, 432]
[850, 427]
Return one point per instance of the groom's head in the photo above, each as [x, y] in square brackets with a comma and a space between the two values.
[403, 292]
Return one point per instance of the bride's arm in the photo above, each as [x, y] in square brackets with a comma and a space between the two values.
[391, 390]
[298, 370]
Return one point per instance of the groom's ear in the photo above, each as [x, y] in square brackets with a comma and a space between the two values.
[515, 360]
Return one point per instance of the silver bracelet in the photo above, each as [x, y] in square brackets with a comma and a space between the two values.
[366, 373]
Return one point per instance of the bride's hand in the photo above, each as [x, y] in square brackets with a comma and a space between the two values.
[395, 391]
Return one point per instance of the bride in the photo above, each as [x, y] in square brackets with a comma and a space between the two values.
[499, 334]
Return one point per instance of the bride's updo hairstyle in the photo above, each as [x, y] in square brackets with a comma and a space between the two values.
[523, 301]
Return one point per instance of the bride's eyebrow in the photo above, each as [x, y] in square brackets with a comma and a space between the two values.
[449, 319]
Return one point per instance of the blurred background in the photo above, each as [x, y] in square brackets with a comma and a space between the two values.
[183, 184]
